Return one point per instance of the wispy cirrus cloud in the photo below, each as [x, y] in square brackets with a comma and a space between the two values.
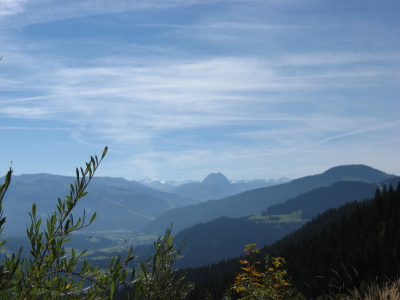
[11, 7]
[200, 83]
[180, 94]
[23, 12]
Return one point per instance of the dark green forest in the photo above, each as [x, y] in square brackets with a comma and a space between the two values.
[350, 246]
[346, 246]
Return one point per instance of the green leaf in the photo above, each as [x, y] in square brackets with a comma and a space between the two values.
[112, 290]
[4, 187]
[104, 152]
[67, 225]
[92, 218]
[33, 210]
[82, 253]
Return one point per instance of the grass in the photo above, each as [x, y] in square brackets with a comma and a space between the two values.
[100, 258]
[146, 237]
[390, 290]
[293, 217]
[345, 285]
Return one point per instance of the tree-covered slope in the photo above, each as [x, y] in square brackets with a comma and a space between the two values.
[319, 200]
[254, 201]
[224, 238]
[360, 239]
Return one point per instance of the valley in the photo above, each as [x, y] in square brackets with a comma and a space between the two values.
[132, 214]
[213, 231]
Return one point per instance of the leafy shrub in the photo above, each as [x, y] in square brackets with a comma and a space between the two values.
[254, 283]
[52, 272]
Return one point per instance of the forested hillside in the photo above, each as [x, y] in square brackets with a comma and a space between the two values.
[362, 238]
[224, 238]
[255, 201]
[348, 246]
[319, 200]
[358, 240]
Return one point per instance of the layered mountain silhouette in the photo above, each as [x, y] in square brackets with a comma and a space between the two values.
[317, 201]
[221, 238]
[129, 205]
[255, 201]
[217, 186]
[119, 203]
[338, 250]
[214, 229]
[214, 186]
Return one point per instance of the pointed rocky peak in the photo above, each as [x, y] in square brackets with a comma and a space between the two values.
[216, 179]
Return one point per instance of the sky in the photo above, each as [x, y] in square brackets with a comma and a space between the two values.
[180, 89]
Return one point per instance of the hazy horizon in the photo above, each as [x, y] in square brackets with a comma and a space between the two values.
[272, 178]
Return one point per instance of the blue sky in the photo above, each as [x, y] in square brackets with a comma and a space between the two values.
[179, 89]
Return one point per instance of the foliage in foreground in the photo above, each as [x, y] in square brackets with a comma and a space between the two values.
[270, 283]
[52, 272]
[389, 290]
[157, 279]
[359, 238]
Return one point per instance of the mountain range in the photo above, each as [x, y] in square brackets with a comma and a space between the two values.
[255, 201]
[352, 246]
[214, 186]
[120, 204]
[162, 185]
[131, 206]
[214, 229]
[321, 199]
[224, 237]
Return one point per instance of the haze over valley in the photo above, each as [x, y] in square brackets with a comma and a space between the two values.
[224, 123]
[131, 213]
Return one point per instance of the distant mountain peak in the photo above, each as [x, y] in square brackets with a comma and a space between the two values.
[350, 167]
[216, 179]
[357, 172]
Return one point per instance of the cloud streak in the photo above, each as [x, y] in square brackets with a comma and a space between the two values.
[155, 96]
[11, 7]
[217, 84]
[24, 13]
